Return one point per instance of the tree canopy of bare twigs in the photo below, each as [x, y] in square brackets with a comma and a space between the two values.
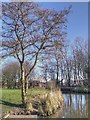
[28, 31]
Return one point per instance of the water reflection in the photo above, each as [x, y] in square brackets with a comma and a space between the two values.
[75, 106]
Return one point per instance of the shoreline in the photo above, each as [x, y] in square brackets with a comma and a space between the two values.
[74, 90]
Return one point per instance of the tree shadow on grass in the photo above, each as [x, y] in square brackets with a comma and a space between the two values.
[11, 104]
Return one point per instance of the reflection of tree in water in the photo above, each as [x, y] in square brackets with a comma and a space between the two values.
[76, 106]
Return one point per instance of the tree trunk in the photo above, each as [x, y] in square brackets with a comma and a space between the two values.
[15, 84]
[45, 75]
[69, 80]
[26, 86]
[68, 73]
[23, 86]
[57, 74]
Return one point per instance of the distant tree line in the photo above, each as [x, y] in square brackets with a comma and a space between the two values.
[67, 64]
[11, 75]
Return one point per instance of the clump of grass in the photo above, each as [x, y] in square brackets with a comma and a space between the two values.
[36, 91]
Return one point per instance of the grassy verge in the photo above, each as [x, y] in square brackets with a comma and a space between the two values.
[11, 98]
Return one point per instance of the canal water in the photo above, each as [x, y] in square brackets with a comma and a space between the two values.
[75, 106]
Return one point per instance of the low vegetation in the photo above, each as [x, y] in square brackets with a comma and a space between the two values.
[42, 102]
[11, 98]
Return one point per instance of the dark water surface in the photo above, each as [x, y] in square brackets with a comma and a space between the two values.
[75, 106]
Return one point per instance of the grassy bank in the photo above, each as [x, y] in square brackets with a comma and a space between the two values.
[11, 98]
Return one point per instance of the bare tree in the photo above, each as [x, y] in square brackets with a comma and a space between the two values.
[58, 54]
[80, 58]
[10, 75]
[28, 31]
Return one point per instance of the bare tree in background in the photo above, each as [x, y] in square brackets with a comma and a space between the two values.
[80, 58]
[10, 75]
[28, 31]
